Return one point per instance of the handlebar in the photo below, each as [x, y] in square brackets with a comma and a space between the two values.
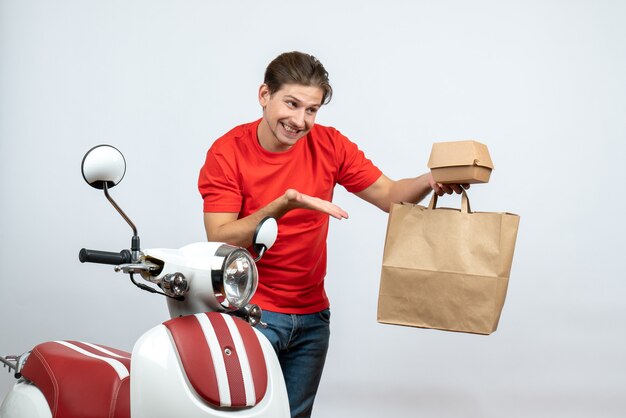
[104, 257]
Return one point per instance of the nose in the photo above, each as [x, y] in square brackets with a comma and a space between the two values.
[299, 117]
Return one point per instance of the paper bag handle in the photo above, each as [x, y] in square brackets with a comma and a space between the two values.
[465, 204]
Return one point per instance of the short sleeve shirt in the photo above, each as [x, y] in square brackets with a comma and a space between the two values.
[241, 176]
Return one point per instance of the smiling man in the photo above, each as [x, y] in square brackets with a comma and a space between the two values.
[286, 166]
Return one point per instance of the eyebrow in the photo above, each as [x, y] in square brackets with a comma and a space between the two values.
[289, 96]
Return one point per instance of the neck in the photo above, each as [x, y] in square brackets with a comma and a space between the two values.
[268, 140]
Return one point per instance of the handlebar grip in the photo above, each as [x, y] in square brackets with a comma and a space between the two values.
[104, 257]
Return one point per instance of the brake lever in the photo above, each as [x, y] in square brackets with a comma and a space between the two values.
[137, 267]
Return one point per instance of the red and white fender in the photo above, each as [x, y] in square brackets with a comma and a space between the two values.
[190, 367]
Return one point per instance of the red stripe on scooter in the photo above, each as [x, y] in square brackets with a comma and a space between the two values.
[115, 351]
[125, 360]
[231, 361]
[195, 356]
[255, 358]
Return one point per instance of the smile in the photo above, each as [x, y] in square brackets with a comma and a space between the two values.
[290, 129]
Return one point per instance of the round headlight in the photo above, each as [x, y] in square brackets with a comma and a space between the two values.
[237, 280]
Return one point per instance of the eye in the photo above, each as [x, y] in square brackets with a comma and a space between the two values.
[291, 104]
[312, 110]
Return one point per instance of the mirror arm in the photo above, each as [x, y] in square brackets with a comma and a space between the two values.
[260, 250]
[135, 247]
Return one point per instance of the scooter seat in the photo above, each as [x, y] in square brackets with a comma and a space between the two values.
[81, 380]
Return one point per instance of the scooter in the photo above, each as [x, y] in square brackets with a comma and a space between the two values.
[207, 361]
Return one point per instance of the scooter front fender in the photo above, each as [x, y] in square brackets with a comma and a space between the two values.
[160, 388]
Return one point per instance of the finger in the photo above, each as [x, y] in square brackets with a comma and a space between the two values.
[446, 188]
[336, 212]
[339, 215]
[457, 188]
[437, 188]
[315, 203]
[466, 186]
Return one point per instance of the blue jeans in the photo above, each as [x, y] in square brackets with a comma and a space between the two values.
[301, 343]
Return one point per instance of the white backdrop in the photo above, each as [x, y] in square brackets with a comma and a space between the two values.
[541, 83]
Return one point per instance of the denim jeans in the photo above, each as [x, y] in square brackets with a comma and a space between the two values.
[301, 343]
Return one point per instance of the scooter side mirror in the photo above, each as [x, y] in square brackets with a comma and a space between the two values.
[103, 164]
[264, 236]
[103, 167]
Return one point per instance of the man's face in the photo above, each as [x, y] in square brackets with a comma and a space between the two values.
[288, 115]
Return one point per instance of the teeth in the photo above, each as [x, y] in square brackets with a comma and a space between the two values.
[289, 129]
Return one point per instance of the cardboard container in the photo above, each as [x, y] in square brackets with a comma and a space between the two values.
[460, 162]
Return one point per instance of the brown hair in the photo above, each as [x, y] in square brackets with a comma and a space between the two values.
[298, 68]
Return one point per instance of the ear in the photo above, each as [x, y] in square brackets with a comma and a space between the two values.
[264, 95]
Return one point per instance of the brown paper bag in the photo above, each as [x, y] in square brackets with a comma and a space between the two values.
[446, 268]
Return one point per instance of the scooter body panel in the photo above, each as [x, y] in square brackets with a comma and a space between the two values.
[25, 400]
[195, 262]
[160, 388]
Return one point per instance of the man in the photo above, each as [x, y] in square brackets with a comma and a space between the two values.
[286, 166]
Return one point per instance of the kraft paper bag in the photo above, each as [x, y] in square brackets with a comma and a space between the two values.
[446, 268]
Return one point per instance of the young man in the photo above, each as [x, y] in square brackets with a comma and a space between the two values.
[285, 166]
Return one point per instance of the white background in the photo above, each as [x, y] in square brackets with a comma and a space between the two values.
[542, 83]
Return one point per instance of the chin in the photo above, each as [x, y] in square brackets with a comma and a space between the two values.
[289, 143]
[289, 140]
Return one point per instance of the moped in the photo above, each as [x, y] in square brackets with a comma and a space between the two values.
[207, 361]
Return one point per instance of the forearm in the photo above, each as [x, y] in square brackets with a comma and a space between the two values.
[225, 227]
[414, 190]
[385, 191]
[240, 232]
[411, 190]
